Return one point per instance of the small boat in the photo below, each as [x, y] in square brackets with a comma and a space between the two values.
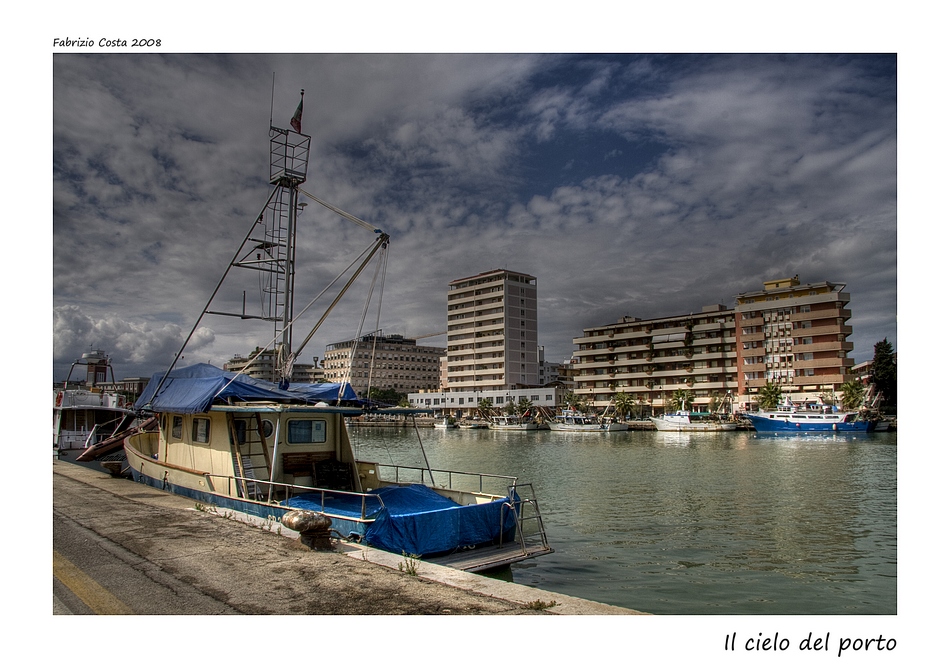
[84, 417]
[475, 424]
[572, 420]
[515, 423]
[683, 420]
[809, 418]
[280, 452]
[446, 423]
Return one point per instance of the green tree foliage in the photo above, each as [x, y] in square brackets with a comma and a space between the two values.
[623, 404]
[680, 400]
[387, 396]
[769, 396]
[884, 372]
[852, 395]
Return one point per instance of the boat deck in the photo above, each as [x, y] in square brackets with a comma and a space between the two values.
[487, 558]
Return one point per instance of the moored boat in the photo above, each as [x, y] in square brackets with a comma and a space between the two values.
[804, 419]
[515, 423]
[84, 417]
[266, 449]
[688, 421]
[572, 420]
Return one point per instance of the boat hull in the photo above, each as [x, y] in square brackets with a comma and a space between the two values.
[671, 425]
[791, 423]
[588, 428]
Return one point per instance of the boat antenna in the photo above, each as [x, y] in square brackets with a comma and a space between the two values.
[273, 85]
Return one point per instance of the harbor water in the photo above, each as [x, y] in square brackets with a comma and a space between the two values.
[735, 523]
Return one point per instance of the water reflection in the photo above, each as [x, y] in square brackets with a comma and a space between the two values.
[737, 523]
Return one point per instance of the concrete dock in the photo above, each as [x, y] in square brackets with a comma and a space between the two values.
[215, 564]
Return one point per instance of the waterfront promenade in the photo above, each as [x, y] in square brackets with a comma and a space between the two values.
[196, 562]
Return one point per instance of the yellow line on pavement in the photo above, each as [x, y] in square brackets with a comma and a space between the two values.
[90, 592]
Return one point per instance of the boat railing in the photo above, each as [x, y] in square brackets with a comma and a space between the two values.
[276, 490]
[529, 526]
[483, 483]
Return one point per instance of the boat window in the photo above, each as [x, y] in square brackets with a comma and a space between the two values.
[306, 431]
[176, 426]
[200, 429]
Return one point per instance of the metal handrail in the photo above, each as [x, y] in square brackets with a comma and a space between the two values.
[510, 480]
[291, 489]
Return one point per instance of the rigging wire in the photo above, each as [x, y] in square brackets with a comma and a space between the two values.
[302, 312]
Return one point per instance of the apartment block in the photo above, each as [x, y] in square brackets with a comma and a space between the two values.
[386, 362]
[262, 364]
[651, 359]
[794, 335]
[492, 338]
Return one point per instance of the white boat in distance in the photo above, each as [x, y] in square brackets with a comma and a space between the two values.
[445, 423]
[572, 420]
[87, 416]
[687, 421]
[515, 423]
[281, 451]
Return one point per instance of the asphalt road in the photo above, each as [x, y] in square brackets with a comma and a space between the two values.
[122, 548]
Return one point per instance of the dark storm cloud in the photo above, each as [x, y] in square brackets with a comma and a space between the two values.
[629, 185]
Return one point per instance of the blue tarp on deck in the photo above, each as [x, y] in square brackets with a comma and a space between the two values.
[194, 388]
[418, 521]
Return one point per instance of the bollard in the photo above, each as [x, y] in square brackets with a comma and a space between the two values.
[314, 528]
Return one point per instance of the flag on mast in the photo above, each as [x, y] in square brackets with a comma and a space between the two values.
[298, 115]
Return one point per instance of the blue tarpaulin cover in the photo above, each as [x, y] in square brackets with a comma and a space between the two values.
[417, 520]
[192, 389]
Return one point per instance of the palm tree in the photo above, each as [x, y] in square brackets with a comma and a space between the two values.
[852, 395]
[680, 399]
[525, 405]
[623, 404]
[769, 396]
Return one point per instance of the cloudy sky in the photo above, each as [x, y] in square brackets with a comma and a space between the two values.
[640, 185]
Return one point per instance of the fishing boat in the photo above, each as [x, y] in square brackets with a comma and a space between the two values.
[473, 424]
[573, 420]
[446, 423]
[684, 420]
[274, 450]
[515, 423]
[86, 417]
[809, 418]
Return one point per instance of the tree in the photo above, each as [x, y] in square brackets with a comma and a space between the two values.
[769, 396]
[525, 405]
[485, 407]
[575, 402]
[623, 404]
[387, 396]
[884, 372]
[852, 395]
[680, 400]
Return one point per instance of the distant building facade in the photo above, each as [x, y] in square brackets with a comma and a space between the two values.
[791, 334]
[651, 359]
[390, 362]
[492, 338]
[796, 336]
[262, 364]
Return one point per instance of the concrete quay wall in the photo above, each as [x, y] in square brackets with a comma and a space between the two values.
[433, 587]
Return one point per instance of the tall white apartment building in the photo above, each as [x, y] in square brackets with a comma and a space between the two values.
[492, 339]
